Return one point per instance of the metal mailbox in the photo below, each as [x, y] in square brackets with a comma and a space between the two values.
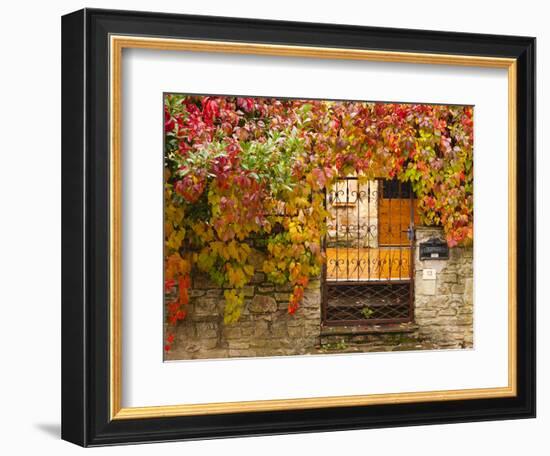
[434, 249]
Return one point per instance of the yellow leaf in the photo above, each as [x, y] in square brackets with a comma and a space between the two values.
[249, 269]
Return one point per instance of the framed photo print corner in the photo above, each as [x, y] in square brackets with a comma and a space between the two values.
[277, 227]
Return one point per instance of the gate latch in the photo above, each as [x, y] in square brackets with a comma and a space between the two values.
[410, 232]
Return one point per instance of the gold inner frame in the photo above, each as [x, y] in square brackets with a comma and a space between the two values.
[117, 44]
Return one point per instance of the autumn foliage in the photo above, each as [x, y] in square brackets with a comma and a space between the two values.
[243, 169]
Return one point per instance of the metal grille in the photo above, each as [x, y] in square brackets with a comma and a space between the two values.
[369, 268]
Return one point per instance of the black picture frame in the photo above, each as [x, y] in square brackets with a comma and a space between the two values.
[85, 228]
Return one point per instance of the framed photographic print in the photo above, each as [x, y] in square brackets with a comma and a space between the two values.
[275, 227]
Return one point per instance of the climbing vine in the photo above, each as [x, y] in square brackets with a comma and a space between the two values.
[249, 173]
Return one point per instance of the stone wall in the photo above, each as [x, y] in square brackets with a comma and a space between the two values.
[264, 329]
[443, 316]
[444, 303]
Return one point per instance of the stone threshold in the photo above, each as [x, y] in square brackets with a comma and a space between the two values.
[358, 330]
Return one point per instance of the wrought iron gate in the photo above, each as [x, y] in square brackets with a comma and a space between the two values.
[367, 278]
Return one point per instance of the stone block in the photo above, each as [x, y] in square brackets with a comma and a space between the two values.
[465, 320]
[264, 316]
[469, 287]
[215, 292]
[465, 310]
[193, 293]
[248, 291]
[259, 277]
[425, 313]
[232, 332]
[266, 288]
[208, 344]
[296, 331]
[247, 329]
[449, 277]
[312, 330]
[311, 314]
[206, 307]
[314, 285]
[279, 329]
[285, 343]
[282, 306]
[312, 298]
[458, 288]
[202, 281]
[192, 347]
[427, 324]
[282, 297]
[245, 312]
[200, 345]
[261, 329]
[207, 329]
[238, 344]
[262, 304]
[186, 331]
[284, 287]
[259, 343]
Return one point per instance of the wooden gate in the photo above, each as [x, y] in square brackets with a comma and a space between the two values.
[368, 275]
